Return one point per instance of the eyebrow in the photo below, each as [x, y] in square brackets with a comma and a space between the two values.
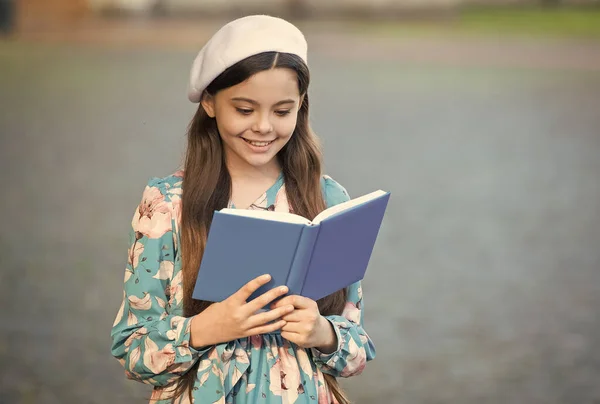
[248, 100]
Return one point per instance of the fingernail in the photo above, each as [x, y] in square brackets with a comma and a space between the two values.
[266, 277]
[283, 289]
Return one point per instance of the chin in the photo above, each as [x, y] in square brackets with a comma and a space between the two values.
[259, 161]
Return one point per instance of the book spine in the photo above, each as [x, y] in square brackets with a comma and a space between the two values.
[301, 261]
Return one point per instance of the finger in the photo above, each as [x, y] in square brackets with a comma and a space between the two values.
[284, 301]
[294, 316]
[265, 329]
[299, 302]
[295, 327]
[266, 298]
[268, 316]
[246, 291]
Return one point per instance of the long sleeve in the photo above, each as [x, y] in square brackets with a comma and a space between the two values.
[355, 348]
[149, 339]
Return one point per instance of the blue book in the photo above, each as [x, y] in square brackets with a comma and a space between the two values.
[313, 258]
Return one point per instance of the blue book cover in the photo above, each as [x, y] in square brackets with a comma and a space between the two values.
[313, 258]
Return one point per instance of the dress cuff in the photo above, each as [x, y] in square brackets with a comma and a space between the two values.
[324, 358]
[180, 329]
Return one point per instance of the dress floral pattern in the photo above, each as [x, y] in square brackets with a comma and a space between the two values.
[151, 338]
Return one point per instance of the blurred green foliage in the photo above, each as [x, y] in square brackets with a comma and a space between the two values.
[583, 22]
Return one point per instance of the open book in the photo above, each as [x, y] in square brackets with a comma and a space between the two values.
[313, 258]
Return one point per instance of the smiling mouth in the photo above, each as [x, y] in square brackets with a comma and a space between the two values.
[258, 144]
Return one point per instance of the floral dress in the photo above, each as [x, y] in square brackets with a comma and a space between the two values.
[151, 338]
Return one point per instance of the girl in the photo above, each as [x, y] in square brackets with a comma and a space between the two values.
[250, 146]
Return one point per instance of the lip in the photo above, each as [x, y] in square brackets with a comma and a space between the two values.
[252, 140]
[258, 149]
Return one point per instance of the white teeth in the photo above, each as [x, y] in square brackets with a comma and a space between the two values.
[258, 144]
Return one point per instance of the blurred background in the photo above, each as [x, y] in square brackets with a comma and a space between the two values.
[481, 117]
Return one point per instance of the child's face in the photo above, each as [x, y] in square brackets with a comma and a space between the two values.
[257, 117]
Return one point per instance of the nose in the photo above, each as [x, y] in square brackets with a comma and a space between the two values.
[262, 125]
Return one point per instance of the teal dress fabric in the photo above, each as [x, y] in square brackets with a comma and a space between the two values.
[151, 338]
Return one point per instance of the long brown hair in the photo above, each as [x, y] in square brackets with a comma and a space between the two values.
[207, 186]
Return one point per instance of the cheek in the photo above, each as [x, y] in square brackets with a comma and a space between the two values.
[230, 126]
[285, 127]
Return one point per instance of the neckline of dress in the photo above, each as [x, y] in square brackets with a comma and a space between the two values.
[277, 184]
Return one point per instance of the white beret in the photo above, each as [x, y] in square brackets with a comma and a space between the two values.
[238, 40]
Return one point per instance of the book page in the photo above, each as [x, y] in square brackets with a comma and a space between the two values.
[347, 205]
[268, 215]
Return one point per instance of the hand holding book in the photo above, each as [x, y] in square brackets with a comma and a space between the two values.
[236, 318]
[305, 326]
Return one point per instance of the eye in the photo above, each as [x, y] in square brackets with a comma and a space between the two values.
[283, 112]
[244, 111]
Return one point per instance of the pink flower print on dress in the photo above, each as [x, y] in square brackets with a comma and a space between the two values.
[323, 393]
[165, 270]
[281, 201]
[152, 218]
[260, 203]
[135, 336]
[275, 378]
[176, 204]
[134, 357]
[143, 303]
[351, 312]
[156, 360]
[134, 253]
[256, 341]
[304, 362]
[290, 376]
[176, 290]
[354, 367]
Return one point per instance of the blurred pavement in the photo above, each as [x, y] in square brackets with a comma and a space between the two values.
[485, 281]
